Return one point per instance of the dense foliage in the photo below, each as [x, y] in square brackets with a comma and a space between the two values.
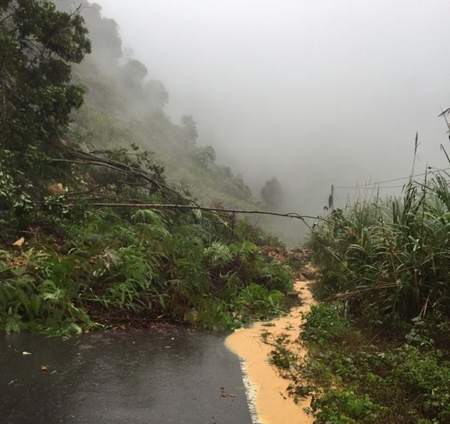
[37, 45]
[79, 246]
[392, 255]
[380, 351]
[111, 267]
[357, 376]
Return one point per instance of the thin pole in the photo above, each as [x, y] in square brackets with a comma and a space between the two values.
[331, 199]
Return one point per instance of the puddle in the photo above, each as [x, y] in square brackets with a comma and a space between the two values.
[266, 389]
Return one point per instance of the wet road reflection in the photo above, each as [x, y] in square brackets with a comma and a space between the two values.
[178, 376]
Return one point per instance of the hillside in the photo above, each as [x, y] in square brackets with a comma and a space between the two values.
[89, 163]
[123, 105]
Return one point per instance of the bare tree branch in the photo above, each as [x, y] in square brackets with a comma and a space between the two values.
[201, 208]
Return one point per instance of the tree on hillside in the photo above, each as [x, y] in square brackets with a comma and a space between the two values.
[103, 32]
[189, 127]
[157, 93]
[135, 70]
[205, 156]
[134, 74]
[37, 45]
[272, 194]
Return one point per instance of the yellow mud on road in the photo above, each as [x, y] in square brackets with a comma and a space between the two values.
[272, 402]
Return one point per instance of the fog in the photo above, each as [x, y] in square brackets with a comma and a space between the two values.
[314, 93]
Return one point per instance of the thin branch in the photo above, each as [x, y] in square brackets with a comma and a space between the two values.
[5, 18]
[77, 10]
[82, 158]
[91, 190]
[111, 165]
[89, 159]
[201, 208]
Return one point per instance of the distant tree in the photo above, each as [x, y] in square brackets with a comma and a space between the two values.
[189, 127]
[134, 74]
[226, 171]
[157, 93]
[206, 156]
[272, 194]
[103, 32]
[135, 70]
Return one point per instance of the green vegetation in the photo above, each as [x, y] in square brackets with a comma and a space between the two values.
[361, 377]
[272, 194]
[79, 248]
[86, 240]
[379, 344]
[37, 45]
[390, 257]
[116, 267]
[281, 356]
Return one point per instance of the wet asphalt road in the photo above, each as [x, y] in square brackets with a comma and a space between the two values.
[178, 376]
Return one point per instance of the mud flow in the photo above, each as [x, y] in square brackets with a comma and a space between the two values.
[267, 389]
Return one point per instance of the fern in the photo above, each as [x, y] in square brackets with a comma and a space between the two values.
[218, 253]
[244, 249]
[13, 322]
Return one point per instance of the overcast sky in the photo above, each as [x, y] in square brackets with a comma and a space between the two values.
[313, 92]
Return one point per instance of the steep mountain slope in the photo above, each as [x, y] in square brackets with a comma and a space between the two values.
[123, 105]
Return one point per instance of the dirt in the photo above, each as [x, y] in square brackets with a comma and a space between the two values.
[272, 403]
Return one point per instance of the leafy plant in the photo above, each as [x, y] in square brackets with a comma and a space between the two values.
[343, 407]
[356, 380]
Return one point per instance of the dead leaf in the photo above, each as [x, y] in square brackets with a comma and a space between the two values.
[227, 395]
[20, 242]
[44, 368]
[56, 188]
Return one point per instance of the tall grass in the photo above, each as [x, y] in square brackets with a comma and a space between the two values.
[391, 255]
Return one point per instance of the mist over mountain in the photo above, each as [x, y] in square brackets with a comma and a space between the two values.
[125, 105]
[313, 93]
